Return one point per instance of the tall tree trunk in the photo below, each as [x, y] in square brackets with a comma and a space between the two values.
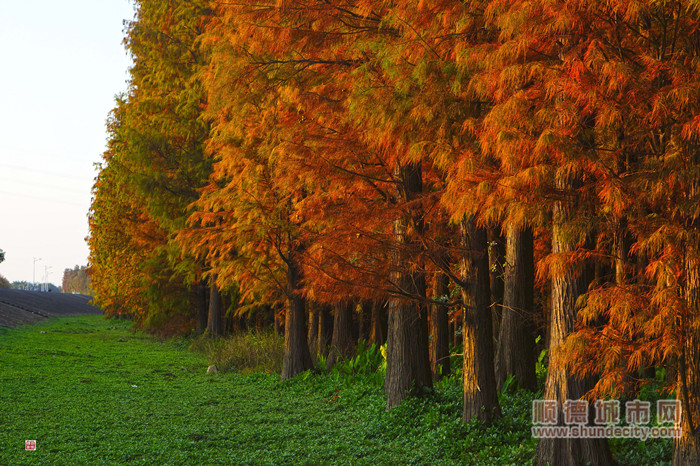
[378, 324]
[686, 449]
[312, 332]
[560, 384]
[497, 259]
[342, 345]
[407, 360]
[325, 330]
[516, 343]
[214, 324]
[277, 321]
[297, 357]
[439, 332]
[198, 300]
[480, 395]
[358, 324]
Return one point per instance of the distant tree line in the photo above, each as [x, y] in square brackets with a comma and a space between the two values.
[76, 280]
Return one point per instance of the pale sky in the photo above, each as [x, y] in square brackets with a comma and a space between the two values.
[62, 64]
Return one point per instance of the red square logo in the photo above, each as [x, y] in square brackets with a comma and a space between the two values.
[30, 445]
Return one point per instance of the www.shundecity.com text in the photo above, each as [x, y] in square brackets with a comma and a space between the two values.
[638, 432]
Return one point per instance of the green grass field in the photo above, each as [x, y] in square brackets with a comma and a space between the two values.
[91, 391]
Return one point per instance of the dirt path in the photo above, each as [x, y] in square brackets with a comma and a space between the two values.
[18, 307]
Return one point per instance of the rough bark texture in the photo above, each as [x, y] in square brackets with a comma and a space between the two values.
[408, 364]
[560, 385]
[480, 396]
[516, 343]
[214, 324]
[407, 361]
[312, 333]
[296, 358]
[439, 332]
[378, 324]
[686, 449]
[342, 344]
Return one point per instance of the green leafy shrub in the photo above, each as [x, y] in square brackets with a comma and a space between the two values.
[368, 364]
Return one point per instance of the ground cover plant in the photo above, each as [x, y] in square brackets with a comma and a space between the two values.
[92, 391]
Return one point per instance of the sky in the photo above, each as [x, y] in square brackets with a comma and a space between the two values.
[63, 63]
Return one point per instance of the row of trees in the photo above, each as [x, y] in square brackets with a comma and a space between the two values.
[76, 280]
[520, 167]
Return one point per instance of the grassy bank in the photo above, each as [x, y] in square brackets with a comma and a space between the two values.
[90, 391]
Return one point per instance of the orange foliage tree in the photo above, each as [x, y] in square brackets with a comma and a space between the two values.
[598, 97]
[116, 224]
[155, 164]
